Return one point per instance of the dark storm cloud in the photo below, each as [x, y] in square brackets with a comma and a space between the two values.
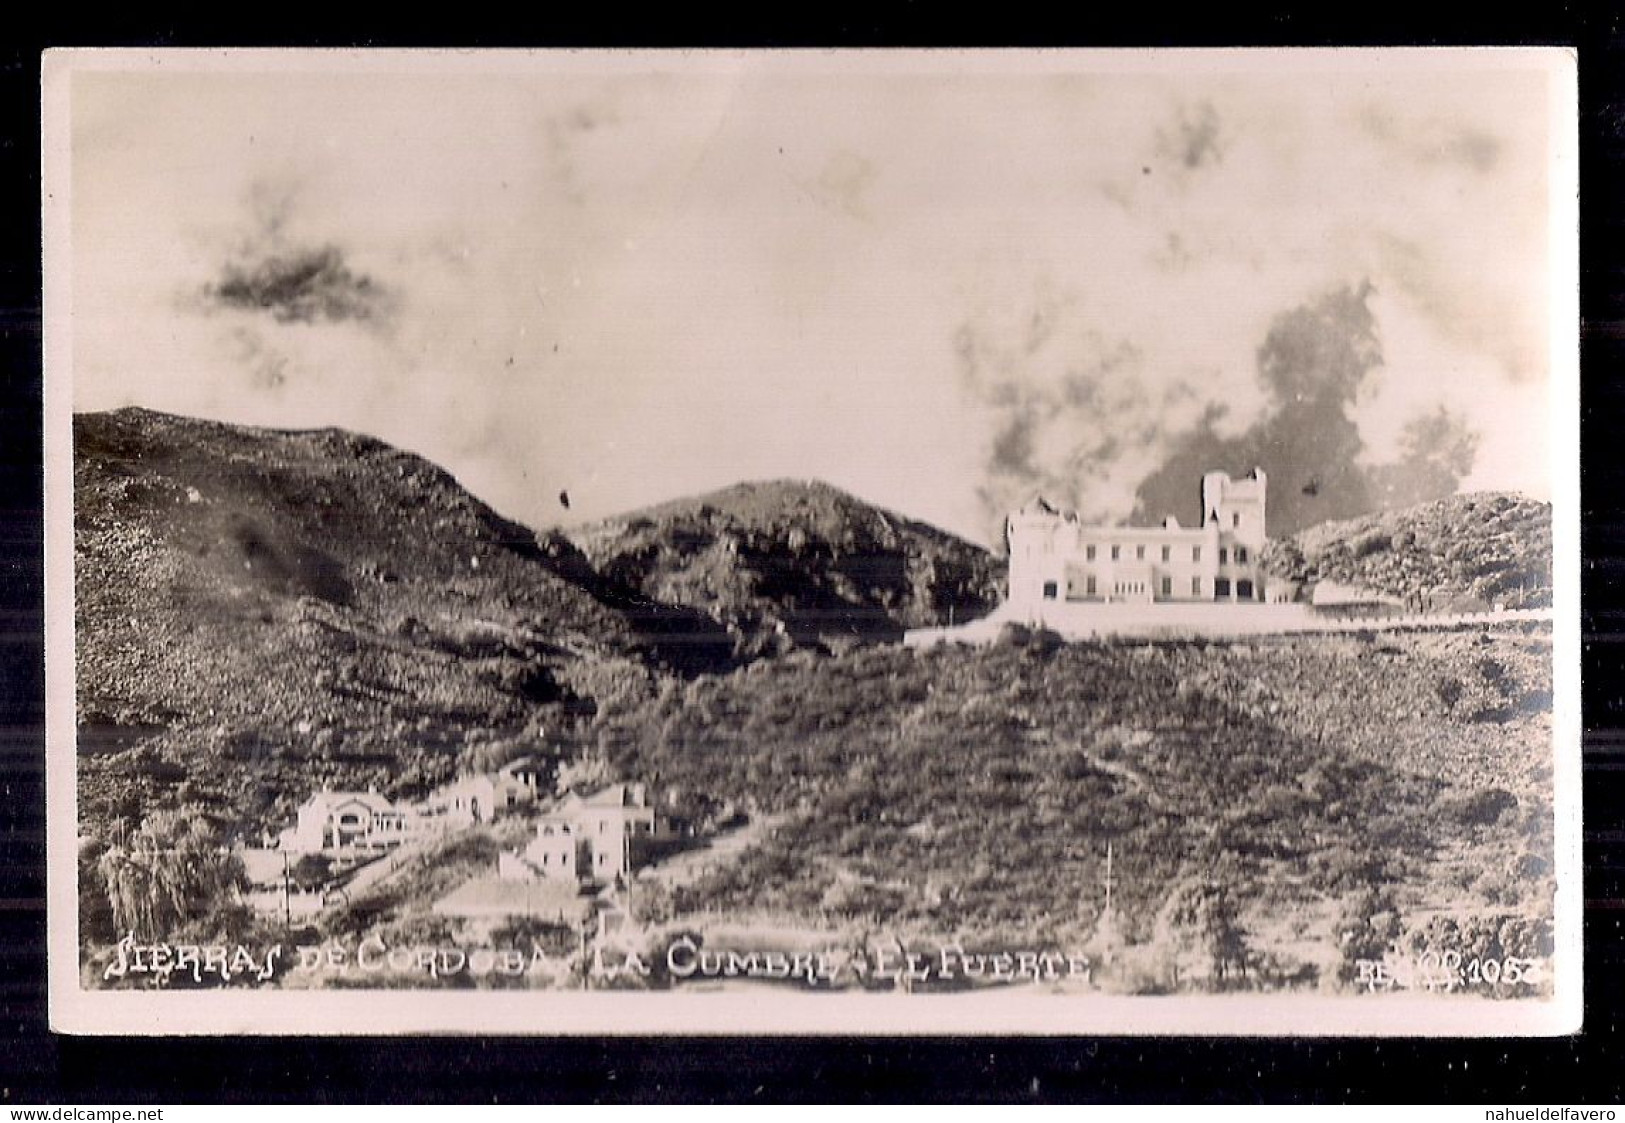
[1436, 451]
[272, 269]
[1315, 361]
[300, 285]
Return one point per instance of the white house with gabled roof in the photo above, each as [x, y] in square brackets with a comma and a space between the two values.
[484, 796]
[349, 821]
[593, 837]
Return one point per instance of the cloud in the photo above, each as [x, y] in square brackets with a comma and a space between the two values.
[1086, 420]
[1075, 414]
[1194, 139]
[1482, 312]
[938, 290]
[266, 366]
[1434, 140]
[564, 133]
[1316, 362]
[844, 183]
[300, 285]
[270, 270]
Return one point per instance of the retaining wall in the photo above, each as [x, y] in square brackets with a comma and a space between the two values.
[1180, 621]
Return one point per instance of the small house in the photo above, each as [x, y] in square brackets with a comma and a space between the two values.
[348, 821]
[596, 837]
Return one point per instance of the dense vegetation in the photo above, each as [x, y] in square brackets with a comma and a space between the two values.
[975, 791]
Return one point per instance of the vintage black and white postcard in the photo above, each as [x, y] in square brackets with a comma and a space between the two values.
[976, 542]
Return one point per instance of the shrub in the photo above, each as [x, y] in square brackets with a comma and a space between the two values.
[1368, 928]
[173, 869]
[1480, 808]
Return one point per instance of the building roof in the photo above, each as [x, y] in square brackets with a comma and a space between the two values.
[618, 795]
[476, 779]
[329, 801]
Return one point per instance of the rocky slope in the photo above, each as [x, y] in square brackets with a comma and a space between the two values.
[259, 611]
[1465, 552]
[795, 563]
[262, 611]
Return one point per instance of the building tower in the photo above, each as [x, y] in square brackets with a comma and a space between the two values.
[1236, 507]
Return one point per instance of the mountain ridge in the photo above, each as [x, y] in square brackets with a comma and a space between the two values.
[319, 606]
[791, 562]
[1466, 552]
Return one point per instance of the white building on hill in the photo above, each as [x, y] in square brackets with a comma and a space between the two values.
[349, 822]
[1056, 560]
[484, 796]
[596, 837]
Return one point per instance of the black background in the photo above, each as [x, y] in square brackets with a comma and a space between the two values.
[36, 1066]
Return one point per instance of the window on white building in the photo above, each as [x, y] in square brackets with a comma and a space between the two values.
[1235, 519]
[1117, 552]
[1196, 586]
[1224, 556]
[1167, 586]
[1089, 553]
[1241, 555]
[1196, 553]
[1167, 553]
[1089, 586]
[1139, 553]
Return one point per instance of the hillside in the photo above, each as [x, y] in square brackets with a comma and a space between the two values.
[1467, 551]
[1286, 807]
[975, 790]
[260, 611]
[792, 563]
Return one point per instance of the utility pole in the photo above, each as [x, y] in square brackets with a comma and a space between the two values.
[1108, 922]
[581, 951]
[1108, 878]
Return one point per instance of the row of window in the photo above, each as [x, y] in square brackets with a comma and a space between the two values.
[1167, 554]
[629, 826]
[569, 858]
[378, 824]
[1221, 588]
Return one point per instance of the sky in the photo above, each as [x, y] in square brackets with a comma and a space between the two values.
[940, 281]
